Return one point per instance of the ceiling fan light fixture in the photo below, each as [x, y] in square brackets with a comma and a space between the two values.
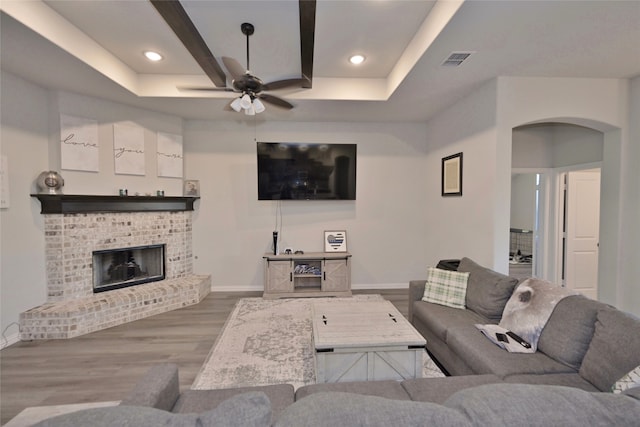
[357, 59]
[250, 111]
[236, 104]
[245, 101]
[258, 106]
[152, 56]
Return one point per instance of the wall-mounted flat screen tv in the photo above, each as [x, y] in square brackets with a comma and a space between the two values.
[301, 171]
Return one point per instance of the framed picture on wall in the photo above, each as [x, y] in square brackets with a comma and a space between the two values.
[191, 188]
[452, 175]
[335, 241]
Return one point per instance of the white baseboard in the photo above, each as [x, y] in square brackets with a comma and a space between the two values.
[10, 340]
[260, 288]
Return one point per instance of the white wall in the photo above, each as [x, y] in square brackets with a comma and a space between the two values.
[24, 137]
[482, 125]
[462, 226]
[554, 145]
[523, 201]
[385, 224]
[629, 289]
[107, 113]
[601, 104]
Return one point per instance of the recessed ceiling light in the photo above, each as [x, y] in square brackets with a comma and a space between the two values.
[153, 56]
[356, 59]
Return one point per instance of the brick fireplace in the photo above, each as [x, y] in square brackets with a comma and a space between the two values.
[71, 239]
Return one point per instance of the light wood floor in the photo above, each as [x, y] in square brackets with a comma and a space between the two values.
[104, 365]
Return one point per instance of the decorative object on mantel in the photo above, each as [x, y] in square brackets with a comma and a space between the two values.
[128, 148]
[169, 155]
[77, 203]
[452, 175]
[79, 145]
[49, 182]
[192, 188]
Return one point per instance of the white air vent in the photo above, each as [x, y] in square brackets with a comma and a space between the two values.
[456, 58]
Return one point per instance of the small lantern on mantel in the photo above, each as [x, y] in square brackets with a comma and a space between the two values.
[50, 182]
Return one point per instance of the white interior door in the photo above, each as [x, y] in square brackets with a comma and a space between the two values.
[582, 218]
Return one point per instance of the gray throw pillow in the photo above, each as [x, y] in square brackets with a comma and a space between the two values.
[487, 291]
[614, 349]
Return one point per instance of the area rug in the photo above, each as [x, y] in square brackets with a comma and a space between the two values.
[269, 342]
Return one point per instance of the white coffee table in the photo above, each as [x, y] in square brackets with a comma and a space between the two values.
[365, 341]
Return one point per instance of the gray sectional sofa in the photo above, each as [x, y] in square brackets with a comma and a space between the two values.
[585, 344]
[156, 401]
[584, 348]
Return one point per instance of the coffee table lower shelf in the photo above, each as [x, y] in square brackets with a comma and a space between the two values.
[368, 364]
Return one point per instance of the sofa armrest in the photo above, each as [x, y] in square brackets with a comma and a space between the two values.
[159, 388]
[416, 291]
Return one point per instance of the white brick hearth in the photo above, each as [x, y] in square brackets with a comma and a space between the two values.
[72, 309]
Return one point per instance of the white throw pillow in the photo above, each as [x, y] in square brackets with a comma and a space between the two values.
[446, 287]
[631, 380]
[529, 308]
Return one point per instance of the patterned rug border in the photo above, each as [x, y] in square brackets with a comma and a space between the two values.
[249, 349]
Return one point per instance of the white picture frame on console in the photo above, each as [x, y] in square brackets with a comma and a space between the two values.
[335, 241]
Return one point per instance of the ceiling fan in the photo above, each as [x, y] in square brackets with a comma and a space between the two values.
[243, 81]
[252, 87]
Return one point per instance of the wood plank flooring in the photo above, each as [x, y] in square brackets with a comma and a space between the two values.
[104, 365]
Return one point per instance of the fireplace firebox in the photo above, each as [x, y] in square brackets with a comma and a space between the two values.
[123, 267]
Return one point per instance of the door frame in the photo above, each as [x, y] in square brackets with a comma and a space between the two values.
[559, 213]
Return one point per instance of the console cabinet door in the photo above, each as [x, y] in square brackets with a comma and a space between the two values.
[336, 275]
[278, 276]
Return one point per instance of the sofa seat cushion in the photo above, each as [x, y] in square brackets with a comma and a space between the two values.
[440, 318]
[521, 404]
[569, 330]
[487, 291]
[195, 401]
[247, 410]
[389, 389]
[349, 409]
[437, 390]
[484, 357]
[614, 349]
[567, 380]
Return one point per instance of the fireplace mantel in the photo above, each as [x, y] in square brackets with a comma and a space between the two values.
[76, 203]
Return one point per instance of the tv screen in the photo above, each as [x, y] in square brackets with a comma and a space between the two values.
[301, 171]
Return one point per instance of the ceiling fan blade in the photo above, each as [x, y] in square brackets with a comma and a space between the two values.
[205, 88]
[235, 69]
[274, 100]
[176, 17]
[281, 84]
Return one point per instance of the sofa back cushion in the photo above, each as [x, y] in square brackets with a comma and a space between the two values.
[569, 330]
[158, 388]
[351, 409]
[487, 291]
[543, 405]
[614, 349]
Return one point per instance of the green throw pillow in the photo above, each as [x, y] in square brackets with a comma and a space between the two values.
[445, 287]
